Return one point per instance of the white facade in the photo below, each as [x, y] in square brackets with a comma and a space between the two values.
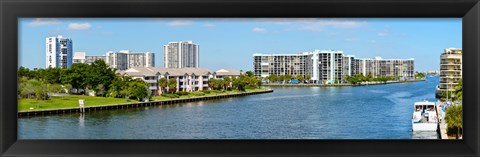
[79, 57]
[58, 52]
[188, 79]
[126, 59]
[450, 68]
[330, 66]
[183, 54]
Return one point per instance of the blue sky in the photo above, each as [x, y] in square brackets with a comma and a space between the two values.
[230, 43]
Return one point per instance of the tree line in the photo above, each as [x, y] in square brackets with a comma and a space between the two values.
[283, 78]
[359, 78]
[79, 79]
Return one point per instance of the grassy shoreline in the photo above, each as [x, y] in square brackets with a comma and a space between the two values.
[71, 101]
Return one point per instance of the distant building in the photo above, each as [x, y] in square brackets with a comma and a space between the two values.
[188, 79]
[58, 52]
[450, 69]
[183, 54]
[329, 66]
[79, 57]
[125, 59]
[403, 68]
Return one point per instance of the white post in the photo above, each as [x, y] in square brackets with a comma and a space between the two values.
[81, 102]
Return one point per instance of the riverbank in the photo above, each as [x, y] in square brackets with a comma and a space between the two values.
[89, 108]
[338, 85]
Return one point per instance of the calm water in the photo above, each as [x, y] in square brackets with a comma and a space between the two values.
[369, 112]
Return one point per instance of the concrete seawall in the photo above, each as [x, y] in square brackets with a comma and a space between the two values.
[133, 105]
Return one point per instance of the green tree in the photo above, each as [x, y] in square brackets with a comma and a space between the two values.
[226, 82]
[56, 88]
[273, 78]
[288, 77]
[369, 77]
[454, 117]
[99, 73]
[40, 89]
[308, 78]
[138, 89]
[459, 90]
[26, 88]
[68, 88]
[163, 83]
[51, 75]
[76, 76]
[172, 84]
[281, 78]
[250, 73]
[300, 78]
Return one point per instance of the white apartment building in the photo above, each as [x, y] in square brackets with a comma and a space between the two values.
[188, 79]
[329, 66]
[58, 52]
[81, 57]
[183, 54]
[125, 59]
[450, 68]
[403, 68]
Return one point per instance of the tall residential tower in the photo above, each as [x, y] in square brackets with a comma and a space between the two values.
[450, 69]
[183, 54]
[58, 52]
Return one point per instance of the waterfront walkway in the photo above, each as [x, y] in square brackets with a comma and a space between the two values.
[442, 126]
[135, 105]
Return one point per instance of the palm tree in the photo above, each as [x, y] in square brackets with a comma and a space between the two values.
[162, 83]
[459, 90]
[172, 84]
[227, 81]
[454, 118]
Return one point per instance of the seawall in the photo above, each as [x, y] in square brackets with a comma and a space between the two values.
[133, 105]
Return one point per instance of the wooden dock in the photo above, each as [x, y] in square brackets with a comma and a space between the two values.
[133, 105]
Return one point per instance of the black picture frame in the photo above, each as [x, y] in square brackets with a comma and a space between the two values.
[11, 10]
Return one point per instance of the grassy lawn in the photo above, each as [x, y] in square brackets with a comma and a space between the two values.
[71, 101]
[68, 102]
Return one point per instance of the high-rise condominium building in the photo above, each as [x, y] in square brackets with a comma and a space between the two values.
[450, 68]
[403, 68]
[125, 59]
[58, 52]
[329, 66]
[183, 54]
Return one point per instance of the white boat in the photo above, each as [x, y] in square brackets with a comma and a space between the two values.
[424, 116]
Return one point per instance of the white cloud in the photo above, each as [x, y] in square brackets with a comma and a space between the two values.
[258, 30]
[372, 41]
[382, 34]
[79, 26]
[351, 39]
[179, 23]
[43, 22]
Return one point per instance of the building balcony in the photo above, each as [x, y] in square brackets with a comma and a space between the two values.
[153, 88]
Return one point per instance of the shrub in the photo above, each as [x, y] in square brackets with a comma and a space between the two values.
[181, 93]
[170, 95]
[197, 93]
[206, 91]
